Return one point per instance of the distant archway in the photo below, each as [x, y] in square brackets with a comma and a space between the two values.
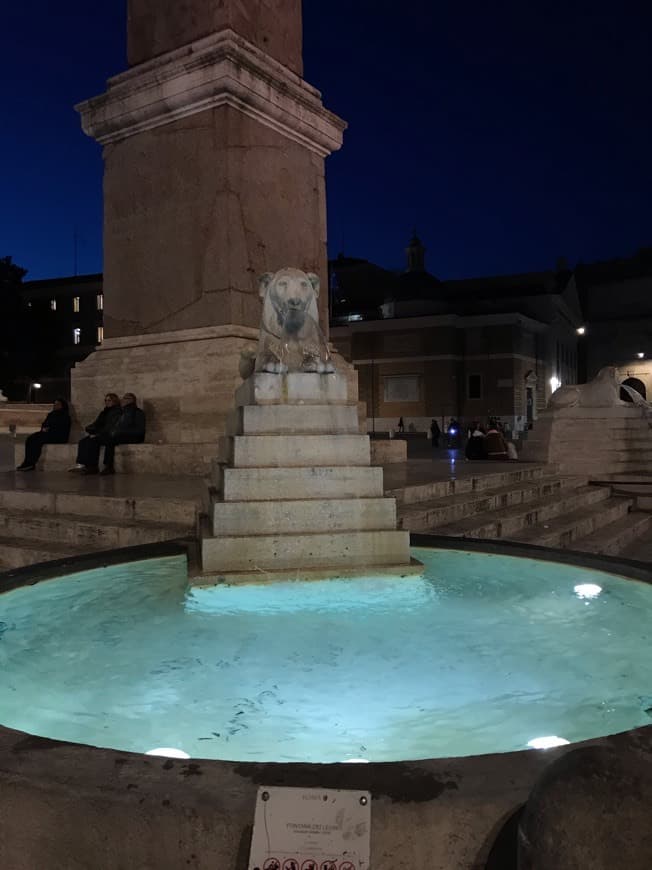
[635, 384]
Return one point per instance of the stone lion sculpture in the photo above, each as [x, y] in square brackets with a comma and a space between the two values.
[602, 392]
[290, 338]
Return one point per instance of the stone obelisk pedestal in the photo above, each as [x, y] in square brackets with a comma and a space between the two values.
[296, 495]
[214, 150]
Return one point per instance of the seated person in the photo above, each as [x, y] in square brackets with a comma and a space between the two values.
[55, 429]
[102, 425]
[496, 444]
[128, 429]
[476, 447]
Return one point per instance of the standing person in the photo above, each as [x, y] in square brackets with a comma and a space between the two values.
[55, 429]
[128, 429]
[435, 433]
[102, 425]
[401, 425]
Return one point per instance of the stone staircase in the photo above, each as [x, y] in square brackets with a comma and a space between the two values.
[536, 505]
[294, 491]
[37, 526]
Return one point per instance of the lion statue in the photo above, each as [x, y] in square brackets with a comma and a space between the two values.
[602, 392]
[290, 338]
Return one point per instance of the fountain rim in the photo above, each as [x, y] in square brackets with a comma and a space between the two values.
[31, 575]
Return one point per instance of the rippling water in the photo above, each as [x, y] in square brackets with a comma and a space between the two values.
[482, 654]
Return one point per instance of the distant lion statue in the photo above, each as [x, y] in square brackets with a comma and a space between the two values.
[602, 392]
[290, 338]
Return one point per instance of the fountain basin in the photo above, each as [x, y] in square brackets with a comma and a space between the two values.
[455, 805]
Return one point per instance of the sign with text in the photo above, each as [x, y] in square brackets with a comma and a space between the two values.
[311, 829]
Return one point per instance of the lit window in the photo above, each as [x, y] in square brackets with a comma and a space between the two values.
[76, 335]
[53, 304]
[75, 304]
[100, 301]
[100, 334]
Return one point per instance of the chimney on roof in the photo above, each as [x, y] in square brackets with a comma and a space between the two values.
[416, 255]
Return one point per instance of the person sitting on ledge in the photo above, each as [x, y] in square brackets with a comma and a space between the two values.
[128, 429]
[495, 442]
[475, 446]
[55, 429]
[102, 425]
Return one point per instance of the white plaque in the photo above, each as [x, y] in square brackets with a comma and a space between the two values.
[311, 829]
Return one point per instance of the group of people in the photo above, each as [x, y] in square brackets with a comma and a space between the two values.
[119, 422]
[488, 443]
[482, 442]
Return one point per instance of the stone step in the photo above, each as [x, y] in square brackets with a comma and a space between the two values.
[270, 553]
[510, 522]
[269, 484]
[302, 517]
[613, 539]
[298, 419]
[186, 458]
[413, 493]
[564, 531]
[290, 451]
[18, 552]
[175, 511]
[92, 533]
[456, 508]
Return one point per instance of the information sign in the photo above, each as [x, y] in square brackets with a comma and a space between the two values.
[311, 829]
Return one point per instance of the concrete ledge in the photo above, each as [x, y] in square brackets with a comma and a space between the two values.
[193, 459]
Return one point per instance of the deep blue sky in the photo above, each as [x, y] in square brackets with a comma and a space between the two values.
[507, 133]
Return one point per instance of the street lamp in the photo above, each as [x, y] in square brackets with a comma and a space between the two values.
[640, 355]
[581, 330]
[35, 386]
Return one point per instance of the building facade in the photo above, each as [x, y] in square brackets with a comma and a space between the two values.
[72, 310]
[473, 349]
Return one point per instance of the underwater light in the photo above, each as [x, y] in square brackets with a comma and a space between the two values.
[587, 590]
[168, 752]
[547, 742]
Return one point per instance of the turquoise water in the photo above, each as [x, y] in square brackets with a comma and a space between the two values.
[483, 654]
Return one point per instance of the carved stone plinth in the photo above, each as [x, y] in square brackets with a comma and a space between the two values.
[295, 493]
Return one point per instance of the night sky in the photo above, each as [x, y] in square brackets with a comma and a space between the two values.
[508, 134]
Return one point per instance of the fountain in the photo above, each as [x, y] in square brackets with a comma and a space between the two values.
[140, 714]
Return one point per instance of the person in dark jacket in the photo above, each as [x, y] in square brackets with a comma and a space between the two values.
[55, 429]
[476, 447]
[102, 425]
[435, 433]
[129, 428]
[495, 442]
